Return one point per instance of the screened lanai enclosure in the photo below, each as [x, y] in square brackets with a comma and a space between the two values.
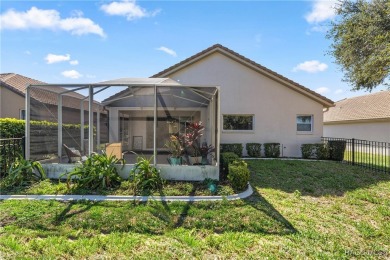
[140, 115]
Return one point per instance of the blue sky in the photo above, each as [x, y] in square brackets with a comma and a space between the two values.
[93, 41]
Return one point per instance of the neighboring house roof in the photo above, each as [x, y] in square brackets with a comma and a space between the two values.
[18, 83]
[375, 106]
[249, 63]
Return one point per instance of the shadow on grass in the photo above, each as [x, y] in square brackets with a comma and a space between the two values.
[313, 178]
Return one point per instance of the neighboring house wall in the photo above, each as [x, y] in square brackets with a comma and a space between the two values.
[10, 103]
[369, 130]
[247, 92]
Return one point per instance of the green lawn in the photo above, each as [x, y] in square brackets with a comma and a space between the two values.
[379, 161]
[300, 209]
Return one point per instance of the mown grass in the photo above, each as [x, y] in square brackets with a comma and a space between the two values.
[171, 188]
[316, 210]
[379, 161]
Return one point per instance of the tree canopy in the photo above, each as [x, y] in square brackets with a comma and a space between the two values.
[361, 42]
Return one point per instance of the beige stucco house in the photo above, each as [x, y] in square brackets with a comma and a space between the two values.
[256, 104]
[365, 117]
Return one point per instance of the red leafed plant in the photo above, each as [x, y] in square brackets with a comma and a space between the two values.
[194, 133]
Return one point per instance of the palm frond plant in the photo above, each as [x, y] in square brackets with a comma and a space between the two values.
[98, 171]
[145, 176]
[176, 148]
[23, 172]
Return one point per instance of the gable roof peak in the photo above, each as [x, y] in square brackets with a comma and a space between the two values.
[249, 63]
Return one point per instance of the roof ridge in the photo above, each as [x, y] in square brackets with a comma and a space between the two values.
[7, 76]
[218, 46]
[364, 96]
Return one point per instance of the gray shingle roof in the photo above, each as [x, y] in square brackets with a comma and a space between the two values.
[367, 107]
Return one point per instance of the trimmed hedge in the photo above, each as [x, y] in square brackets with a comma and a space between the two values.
[14, 128]
[272, 150]
[253, 149]
[315, 151]
[337, 149]
[238, 175]
[234, 148]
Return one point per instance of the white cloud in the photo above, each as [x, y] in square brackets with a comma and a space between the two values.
[74, 62]
[322, 90]
[48, 19]
[73, 74]
[90, 76]
[167, 50]
[339, 91]
[127, 8]
[311, 66]
[27, 52]
[322, 10]
[53, 58]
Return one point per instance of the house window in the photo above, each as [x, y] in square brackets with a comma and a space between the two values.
[238, 122]
[305, 123]
[22, 114]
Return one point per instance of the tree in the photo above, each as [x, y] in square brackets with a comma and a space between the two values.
[361, 42]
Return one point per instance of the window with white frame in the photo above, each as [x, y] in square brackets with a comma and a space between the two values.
[238, 122]
[305, 123]
[22, 114]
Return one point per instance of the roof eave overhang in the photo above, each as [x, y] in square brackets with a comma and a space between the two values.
[355, 121]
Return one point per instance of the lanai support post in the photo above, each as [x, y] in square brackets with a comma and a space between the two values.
[155, 128]
[59, 118]
[27, 126]
[90, 128]
[82, 125]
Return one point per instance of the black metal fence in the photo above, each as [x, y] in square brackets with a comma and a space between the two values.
[10, 149]
[371, 154]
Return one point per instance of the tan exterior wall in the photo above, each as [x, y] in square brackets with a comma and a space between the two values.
[10, 103]
[245, 91]
[372, 131]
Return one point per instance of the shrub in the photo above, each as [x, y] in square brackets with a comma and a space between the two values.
[238, 175]
[316, 151]
[272, 150]
[321, 151]
[146, 177]
[98, 171]
[225, 160]
[24, 172]
[253, 149]
[234, 148]
[307, 151]
[336, 149]
[11, 128]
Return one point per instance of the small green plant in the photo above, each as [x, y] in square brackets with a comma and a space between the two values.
[253, 149]
[98, 171]
[145, 176]
[272, 150]
[238, 175]
[225, 159]
[23, 172]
